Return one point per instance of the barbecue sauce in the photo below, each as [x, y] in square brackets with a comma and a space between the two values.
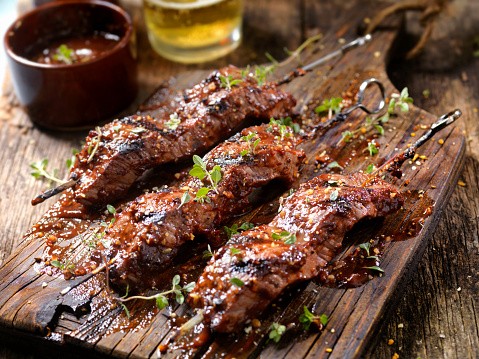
[75, 49]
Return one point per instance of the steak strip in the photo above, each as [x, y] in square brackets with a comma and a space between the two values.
[146, 235]
[208, 113]
[266, 266]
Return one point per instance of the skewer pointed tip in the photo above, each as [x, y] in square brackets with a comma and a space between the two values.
[52, 192]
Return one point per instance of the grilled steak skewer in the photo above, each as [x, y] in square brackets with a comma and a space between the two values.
[237, 287]
[147, 234]
[117, 154]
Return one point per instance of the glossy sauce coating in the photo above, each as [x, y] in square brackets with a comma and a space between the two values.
[147, 234]
[319, 214]
[121, 151]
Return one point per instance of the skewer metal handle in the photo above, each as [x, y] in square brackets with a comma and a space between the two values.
[360, 41]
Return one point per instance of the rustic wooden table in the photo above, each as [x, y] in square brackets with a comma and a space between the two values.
[436, 315]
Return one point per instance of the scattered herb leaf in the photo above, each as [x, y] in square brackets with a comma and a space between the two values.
[173, 122]
[376, 268]
[307, 318]
[334, 195]
[237, 282]
[276, 331]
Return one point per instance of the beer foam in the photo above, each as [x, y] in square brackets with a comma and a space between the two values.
[184, 6]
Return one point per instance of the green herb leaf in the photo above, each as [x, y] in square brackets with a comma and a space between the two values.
[380, 129]
[234, 251]
[276, 331]
[227, 81]
[366, 246]
[40, 170]
[57, 264]
[173, 122]
[176, 280]
[237, 282]
[185, 198]
[110, 209]
[216, 174]
[189, 287]
[137, 130]
[372, 149]
[334, 164]
[334, 195]
[290, 239]
[127, 312]
[64, 54]
[198, 161]
[161, 301]
[198, 172]
[333, 104]
[208, 253]
[376, 268]
[287, 237]
[180, 299]
[347, 135]
[71, 161]
[202, 193]
[235, 229]
[370, 168]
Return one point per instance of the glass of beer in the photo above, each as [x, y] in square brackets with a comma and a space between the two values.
[193, 31]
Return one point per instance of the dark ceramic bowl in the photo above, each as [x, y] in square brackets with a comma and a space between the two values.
[81, 94]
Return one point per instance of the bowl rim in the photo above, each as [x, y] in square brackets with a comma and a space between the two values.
[124, 40]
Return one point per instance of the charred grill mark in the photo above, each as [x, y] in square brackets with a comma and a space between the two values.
[151, 217]
[129, 147]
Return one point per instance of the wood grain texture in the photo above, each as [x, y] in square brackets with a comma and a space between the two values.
[291, 14]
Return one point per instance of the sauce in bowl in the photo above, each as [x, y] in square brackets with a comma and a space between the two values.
[75, 49]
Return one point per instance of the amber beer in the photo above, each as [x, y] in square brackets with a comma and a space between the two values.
[192, 31]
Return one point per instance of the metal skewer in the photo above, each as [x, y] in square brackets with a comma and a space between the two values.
[343, 115]
[360, 41]
[396, 161]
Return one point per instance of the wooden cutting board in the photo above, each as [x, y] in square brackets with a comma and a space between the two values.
[30, 310]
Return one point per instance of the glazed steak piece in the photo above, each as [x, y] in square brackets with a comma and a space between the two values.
[267, 266]
[147, 234]
[117, 154]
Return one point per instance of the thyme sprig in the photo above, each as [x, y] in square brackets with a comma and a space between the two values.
[227, 82]
[71, 161]
[307, 318]
[200, 171]
[400, 101]
[276, 331]
[208, 253]
[331, 106]
[93, 148]
[367, 246]
[235, 229]
[251, 145]
[287, 237]
[64, 54]
[39, 169]
[63, 266]
[99, 235]
[161, 299]
[173, 122]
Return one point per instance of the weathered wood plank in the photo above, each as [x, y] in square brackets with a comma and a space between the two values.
[302, 91]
